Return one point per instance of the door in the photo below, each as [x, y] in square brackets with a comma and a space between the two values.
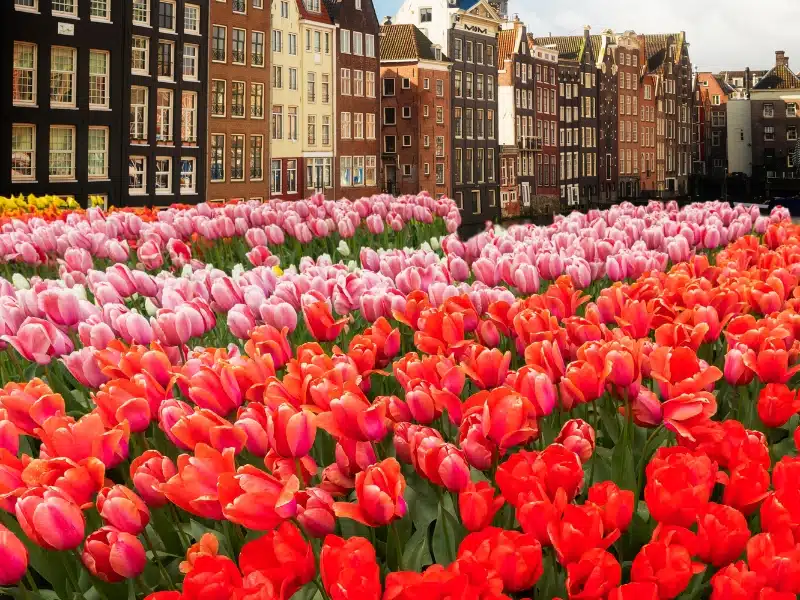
[391, 179]
[318, 178]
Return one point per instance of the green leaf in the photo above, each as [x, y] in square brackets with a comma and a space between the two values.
[610, 418]
[196, 530]
[417, 554]
[423, 505]
[622, 466]
[30, 371]
[447, 535]
[352, 528]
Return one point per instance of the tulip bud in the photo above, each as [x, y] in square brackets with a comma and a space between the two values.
[123, 509]
[148, 472]
[578, 436]
[113, 555]
[315, 512]
[478, 505]
[13, 558]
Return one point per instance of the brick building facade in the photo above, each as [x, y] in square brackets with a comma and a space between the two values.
[570, 156]
[546, 100]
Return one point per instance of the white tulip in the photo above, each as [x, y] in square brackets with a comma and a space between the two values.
[150, 307]
[186, 271]
[435, 243]
[19, 282]
[79, 291]
[426, 247]
[237, 271]
[352, 266]
[343, 248]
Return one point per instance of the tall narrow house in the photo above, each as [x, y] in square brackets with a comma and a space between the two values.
[517, 122]
[467, 32]
[238, 141]
[62, 73]
[357, 44]
[415, 124]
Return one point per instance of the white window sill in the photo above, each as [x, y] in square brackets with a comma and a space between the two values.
[167, 31]
[166, 79]
[219, 62]
[100, 108]
[143, 25]
[139, 145]
[167, 193]
[100, 20]
[191, 79]
[27, 9]
[140, 73]
[99, 179]
[24, 181]
[52, 106]
[25, 105]
[192, 33]
[56, 180]
[188, 193]
[137, 192]
[217, 181]
[58, 15]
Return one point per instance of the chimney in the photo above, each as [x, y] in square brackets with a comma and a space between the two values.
[586, 30]
[747, 83]
[781, 60]
[387, 20]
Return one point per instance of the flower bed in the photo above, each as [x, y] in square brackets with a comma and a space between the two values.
[603, 408]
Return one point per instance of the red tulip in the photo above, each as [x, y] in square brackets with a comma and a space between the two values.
[777, 404]
[679, 485]
[478, 505]
[593, 576]
[516, 557]
[30, 404]
[736, 582]
[320, 321]
[84, 438]
[507, 418]
[148, 471]
[771, 366]
[268, 340]
[123, 509]
[349, 569]
[315, 512]
[113, 555]
[352, 416]
[581, 383]
[13, 558]
[50, 519]
[748, 485]
[635, 591]
[291, 432]
[580, 529]
[537, 513]
[616, 505]
[207, 545]
[668, 566]
[255, 499]
[80, 481]
[194, 487]
[282, 556]
[722, 534]
[736, 370]
[577, 435]
[379, 495]
[486, 367]
[212, 578]
[686, 411]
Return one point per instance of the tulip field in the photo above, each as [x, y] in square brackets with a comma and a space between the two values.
[342, 400]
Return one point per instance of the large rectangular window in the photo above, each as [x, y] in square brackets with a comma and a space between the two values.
[164, 116]
[23, 152]
[218, 43]
[238, 37]
[166, 15]
[99, 10]
[191, 52]
[291, 176]
[138, 118]
[257, 100]
[140, 55]
[370, 127]
[98, 79]
[237, 158]
[292, 124]
[277, 122]
[23, 87]
[256, 157]
[62, 153]
[217, 157]
[65, 7]
[257, 48]
[137, 175]
[62, 76]
[188, 175]
[191, 19]
[141, 12]
[166, 60]
[163, 175]
[237, 99]
[218, 97]
[98, 153]
[275, 184]
[189, 118]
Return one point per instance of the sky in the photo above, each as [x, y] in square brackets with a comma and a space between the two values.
[722, 34]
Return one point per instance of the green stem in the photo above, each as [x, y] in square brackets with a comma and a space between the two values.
[23, 589]
[393, 528]
[310, 542]
[179, 523]
[161, 568]
[298, 469]
[31, 582]
[71, 573]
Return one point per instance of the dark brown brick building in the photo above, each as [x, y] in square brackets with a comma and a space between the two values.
[239, 100]
[415, 121]
[357, 98]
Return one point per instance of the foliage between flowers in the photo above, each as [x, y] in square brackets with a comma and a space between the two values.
[604, 408]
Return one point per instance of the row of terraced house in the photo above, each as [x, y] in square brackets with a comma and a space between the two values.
[154, 102]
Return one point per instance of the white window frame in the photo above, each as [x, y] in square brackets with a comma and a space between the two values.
[189, 115]
[224, 28]
[174, 16]
[103, 153]
[23, 8]
[134, 172]
[106, 77]
[275, 183]
[224, 98]
[254, 86]
[369, 46]
[191, 8]
[234, 30]
[142, 5]
[193, 76]
[407, 111]
[289, 169]
[243, 137]
[104, 18]
[358, 43]
[33, 73]
[145, 50]
[134, 120]
[72, 102]
[171, 76]
[71, 153]
[28, 152]
[165, 123]
[211, 157]
[260, 158]
[406, 137]
[73, 14]
[346, 171]
[191, 189]
[163, 191]
[344, 41]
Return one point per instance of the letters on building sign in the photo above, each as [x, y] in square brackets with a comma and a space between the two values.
[476, 29]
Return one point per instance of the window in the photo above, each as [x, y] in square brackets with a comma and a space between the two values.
[277, 122]
[237, 158]
[164, 116]
[188, 175]
[715, 138]
[238, 54]
[344, 123]
[457, 83]
[370, 84]
[140, 55]
[439, 173]
[479, 165]
[358, 126]
[292, 37]
[62, 153]
[292, 78]
[62, 76]
[427, 169]
[312, 130]
[218, 43]
[490, 87]
[427, 142]
[405, 83]
[457, 122]
[166, 15]
[26, 5]
[791, 133]
[369, 48]
[139, 113]
[218, 97]
[257, 100]
[237, 99]
[257, 48]
[479, 87]
[345, 82]
[406, 170]
[358, 43]
[65, 8]
[468, 123]
[490, 124]
[292, 123]
[217, 157]
[275, 184]
[439, 114]
[291, 176]
[163, 175]
[312, 87]
[98, 79]
[326, 97]
[358, 82]
[389, 115]
[344, 41]
[277, 77]
[468, 53]
[137, 175]
[457, 50]
[769, 110]
[389, 144]
[23, 152]
[240, 7]
[141, 12]
[346, 170]
[440, 88]
[190, 53]
[468, 85]
[189, 117]
[769, 133]
[490, 56]
[425, 15]
[440, 146]
[407, 111]
[476, 202]
[370, 133]
[24, 83]
[166, 53]
[257, 158]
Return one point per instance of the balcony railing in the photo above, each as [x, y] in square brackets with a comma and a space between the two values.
[237, 173]
[239, 6]
[238, 56]
[257, 60]
[237, 110]
[256, 112]
[218, 54]
[256, 172]
[529, 143]
[218, 108]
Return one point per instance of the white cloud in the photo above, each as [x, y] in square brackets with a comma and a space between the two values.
[722, 34]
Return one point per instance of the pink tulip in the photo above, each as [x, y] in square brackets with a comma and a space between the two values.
[134, 328]
[121, 277]
[150, 255]
[60, 306]
[486, 271]
[39, 341]
[78, 259]
[118, 251]
[375, 224]
[526, 279]
[241, 321]
[279, 315]
[459, 270]
[172, 328]
[179, 252]
[95, 333]
[83, 366]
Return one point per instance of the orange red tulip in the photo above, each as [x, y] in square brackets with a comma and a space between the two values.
[50, 518]
[320, 322]
[194, 487]
[255, 499]
[379, 495]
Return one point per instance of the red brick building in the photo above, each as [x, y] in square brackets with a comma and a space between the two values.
[357, 100]
[627, 60]
[545, 67]
[415, 124]
[648, 179]
[239, 100]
